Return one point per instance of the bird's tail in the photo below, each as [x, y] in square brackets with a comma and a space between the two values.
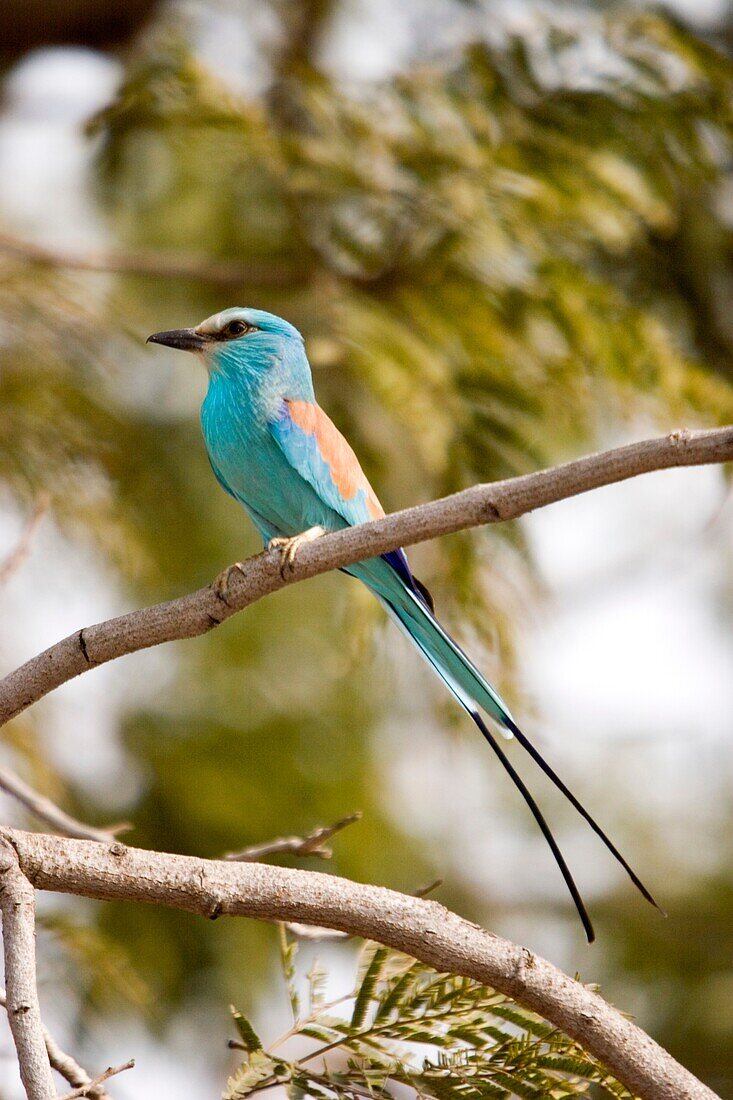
[474, 693]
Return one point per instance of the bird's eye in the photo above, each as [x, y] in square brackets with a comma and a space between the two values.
[237, 328]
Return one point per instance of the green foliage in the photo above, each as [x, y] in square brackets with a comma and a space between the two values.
[367, 986]
[490, 257]
[488, 247]
[470, 1041]
[287, 958]
[497, 257]
[247, 1033]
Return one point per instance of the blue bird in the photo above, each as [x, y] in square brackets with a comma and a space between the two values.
[276, 452]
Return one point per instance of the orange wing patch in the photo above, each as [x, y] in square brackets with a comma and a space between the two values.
[347, 474]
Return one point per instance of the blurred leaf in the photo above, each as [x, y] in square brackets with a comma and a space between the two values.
[365, 992]
[288, 952]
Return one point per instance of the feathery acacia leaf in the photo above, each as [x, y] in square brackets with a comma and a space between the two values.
[288, 952]
[365, 993]
[468, 1052]
[247, 1033]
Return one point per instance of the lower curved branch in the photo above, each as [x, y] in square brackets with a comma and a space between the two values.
[417, 926]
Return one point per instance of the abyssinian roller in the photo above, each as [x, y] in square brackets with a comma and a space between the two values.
[276, 451]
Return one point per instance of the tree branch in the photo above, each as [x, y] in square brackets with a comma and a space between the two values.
[18, 904]
[20, 552]
[198, 612]
[91, 1088]
[166, 265]
[64, 1064]
[52, 814]
[419, 927]
[309, 845]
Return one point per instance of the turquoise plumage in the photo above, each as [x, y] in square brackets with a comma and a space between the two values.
[276, 452]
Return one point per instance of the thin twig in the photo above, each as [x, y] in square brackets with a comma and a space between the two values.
[419, 927]
[64, 1064]
[43, 808]
[311, 1018]
[19, 553]
[308, 845]
[18, 903]
[349, 1089]
[90, 1088]
[198, 612]
[161, 265]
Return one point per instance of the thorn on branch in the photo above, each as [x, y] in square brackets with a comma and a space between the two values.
[423, 891]
[309, 845]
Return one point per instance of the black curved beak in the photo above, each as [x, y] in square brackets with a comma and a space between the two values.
[184, 339]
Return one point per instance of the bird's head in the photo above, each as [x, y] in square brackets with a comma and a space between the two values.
[235, 339]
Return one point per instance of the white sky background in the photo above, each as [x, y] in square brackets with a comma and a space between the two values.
[626, 665]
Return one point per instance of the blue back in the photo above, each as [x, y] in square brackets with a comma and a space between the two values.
[249, 381]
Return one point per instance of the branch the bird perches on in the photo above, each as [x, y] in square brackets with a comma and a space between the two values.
[201, 611]
[419, 927]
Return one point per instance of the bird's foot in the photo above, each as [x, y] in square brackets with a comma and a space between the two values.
[220, 584]
[289, 547]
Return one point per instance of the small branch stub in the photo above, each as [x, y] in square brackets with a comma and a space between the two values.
[310, 845]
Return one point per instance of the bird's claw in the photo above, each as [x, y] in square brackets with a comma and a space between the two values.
[289, 547]
[221, 583]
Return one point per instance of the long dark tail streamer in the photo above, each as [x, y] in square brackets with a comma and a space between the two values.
[561, 786]
[544, 827]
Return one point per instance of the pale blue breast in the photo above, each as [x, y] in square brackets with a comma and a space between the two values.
[249, 463]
